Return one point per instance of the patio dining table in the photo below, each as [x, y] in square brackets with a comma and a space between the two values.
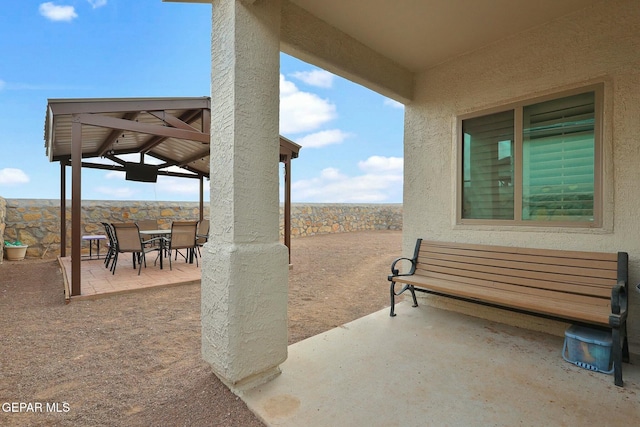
[157, 233]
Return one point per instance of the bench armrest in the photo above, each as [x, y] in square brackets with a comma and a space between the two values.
[396, 273]
[619, 299]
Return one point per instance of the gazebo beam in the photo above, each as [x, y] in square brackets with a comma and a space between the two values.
[113, 136]
[114, 123]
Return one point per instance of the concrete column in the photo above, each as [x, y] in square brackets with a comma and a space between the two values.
[245, 267]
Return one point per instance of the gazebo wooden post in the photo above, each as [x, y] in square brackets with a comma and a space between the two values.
[63, 208]
[287, 205]
[201, 210]
[206, 128]
[76, 204]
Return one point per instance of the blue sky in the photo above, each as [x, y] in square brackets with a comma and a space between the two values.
[351, 137]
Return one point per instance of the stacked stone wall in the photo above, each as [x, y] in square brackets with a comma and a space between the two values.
[310, 219]
[36, 222]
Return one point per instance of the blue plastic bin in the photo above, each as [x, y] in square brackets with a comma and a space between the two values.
[588, 348]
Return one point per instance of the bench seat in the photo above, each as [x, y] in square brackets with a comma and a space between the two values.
[579, 287]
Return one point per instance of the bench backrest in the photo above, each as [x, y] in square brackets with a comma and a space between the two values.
[574, 273]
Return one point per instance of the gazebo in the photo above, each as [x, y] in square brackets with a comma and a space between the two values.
[176, 131]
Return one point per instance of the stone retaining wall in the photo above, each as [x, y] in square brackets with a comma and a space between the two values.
[36, 222]
[310, 219]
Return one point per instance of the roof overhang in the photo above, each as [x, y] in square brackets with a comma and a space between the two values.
[383, 44]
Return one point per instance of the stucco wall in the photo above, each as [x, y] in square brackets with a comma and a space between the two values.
[598, 44]
[36, 222]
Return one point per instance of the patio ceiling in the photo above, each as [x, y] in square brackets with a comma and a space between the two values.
[418, 35]
[174, 131]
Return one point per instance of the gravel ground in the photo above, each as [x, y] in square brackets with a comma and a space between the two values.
[134, 359]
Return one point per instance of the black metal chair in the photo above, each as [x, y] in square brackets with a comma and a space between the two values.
[127, 236]
[111, 245]
[202, 235]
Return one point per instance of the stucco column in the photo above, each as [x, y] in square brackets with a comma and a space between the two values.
[245, 267]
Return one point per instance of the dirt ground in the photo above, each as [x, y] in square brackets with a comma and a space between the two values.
[134, 359]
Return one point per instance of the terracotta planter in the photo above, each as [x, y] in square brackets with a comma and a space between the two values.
[15, 253]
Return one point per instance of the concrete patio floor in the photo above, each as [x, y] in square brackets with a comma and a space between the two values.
[430, 367]
[425, 367]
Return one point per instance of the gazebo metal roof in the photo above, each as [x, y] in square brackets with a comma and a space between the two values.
[174, 131]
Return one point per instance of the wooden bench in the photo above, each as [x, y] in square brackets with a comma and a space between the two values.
[581, 287]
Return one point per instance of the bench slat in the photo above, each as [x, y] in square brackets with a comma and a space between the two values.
[544, 258]
[576, 311]
[515, 288]
[483, 259]
[531, 274]
[586, 286]
[520, 282]
[604, 256]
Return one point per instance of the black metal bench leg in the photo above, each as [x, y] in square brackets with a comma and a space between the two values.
[393, 299]
[393, 296]
[617, 351]
[625, 344]
[413, 294]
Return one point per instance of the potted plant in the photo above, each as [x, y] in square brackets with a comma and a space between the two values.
[15, 250]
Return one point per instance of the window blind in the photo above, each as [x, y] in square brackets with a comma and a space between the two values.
[559, 159]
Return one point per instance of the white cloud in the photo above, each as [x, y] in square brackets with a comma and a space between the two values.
[318, 78]
[13, 176]
[97, 3]
[57, 13]
[114, 175]
[302, 111]
[166, 185]
[378, 164]
[2, 84]
[184, 186]
[391, 103]
[323, 138]
[381, 183]
[287, 87]
[331, 174]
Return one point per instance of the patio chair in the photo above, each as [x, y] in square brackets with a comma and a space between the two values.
[111, 245]
[127, 239]
[183, 236]
[202, 235]
[148, 224]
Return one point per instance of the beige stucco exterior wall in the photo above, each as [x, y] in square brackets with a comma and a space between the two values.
[598, 44]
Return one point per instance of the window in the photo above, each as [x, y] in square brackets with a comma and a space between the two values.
[536, 163]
